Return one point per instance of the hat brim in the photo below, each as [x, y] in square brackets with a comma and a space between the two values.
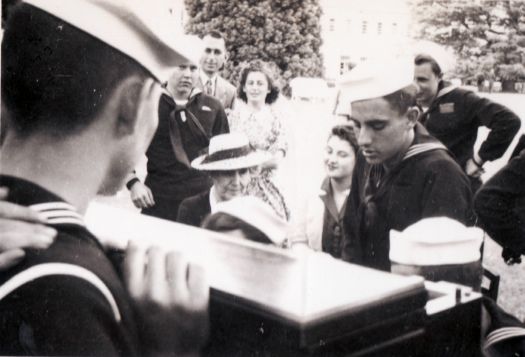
[253, 159]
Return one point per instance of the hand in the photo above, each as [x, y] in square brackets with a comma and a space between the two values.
[20, 227]
[141, 195]
[472, 169]
[171, 299]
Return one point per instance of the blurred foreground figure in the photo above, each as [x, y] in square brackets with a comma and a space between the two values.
[402, 173]
[453, 116]
[500, 206]
[82, 107]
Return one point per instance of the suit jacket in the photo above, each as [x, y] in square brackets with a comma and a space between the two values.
[194, 209]
[224, 91]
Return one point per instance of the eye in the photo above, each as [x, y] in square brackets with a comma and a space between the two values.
[193, 68]
[208, 51]
[342, 154]
[217, 52]
[243, 171]
[378, 126]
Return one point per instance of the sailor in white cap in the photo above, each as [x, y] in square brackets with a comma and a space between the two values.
[402, 174]
[229, 162]
[81, 82]
[248, 217]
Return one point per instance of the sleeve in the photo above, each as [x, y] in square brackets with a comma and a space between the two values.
[500, 205]
[187, 214]
[280, 132]
[220, 125]
[54, 307]
[502, 122]
[447, 193]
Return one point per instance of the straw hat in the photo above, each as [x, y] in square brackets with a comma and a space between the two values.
[230, 151]
[140, 29]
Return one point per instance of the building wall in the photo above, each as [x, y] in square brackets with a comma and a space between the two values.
[354, 31]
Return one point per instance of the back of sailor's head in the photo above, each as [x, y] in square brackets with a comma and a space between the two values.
[62, 60]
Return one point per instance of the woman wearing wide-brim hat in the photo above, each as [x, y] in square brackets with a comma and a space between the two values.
[231, 162]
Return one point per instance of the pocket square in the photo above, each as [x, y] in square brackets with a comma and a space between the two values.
[206, 109]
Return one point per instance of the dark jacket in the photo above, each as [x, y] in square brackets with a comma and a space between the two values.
[63, 313]
[500, 205]
[455, 116]
[194, 209]
[427, 184]
[169, 179]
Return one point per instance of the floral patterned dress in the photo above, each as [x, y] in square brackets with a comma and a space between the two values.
[265, 131]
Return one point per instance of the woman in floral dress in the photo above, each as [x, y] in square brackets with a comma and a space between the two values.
[256, 115]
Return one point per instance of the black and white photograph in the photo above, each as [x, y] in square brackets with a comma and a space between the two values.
[262, 178]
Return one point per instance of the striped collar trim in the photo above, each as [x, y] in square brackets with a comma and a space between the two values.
[59, 213]
[502, 334]
[417, 149]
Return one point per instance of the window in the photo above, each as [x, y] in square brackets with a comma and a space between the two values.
[364, 25]
[379, 28]
[331, 26]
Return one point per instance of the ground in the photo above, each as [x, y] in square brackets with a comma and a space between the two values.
[302, 172]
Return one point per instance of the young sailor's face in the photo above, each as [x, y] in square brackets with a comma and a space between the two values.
[382, 133]
[427, 84]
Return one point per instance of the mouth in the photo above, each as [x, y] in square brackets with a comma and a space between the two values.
[185, 84]
[369, 153]
[331, 167]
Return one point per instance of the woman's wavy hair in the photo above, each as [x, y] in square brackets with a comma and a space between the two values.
[258, 66]
[346, 133]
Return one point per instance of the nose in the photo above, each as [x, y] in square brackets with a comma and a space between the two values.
[236, 177]
[364, 137]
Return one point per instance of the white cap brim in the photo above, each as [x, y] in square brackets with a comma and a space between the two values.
[142, 30]
[253, 159]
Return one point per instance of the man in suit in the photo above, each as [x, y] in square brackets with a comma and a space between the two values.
[212, 61]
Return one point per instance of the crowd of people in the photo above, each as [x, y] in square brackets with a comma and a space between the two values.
[74, 129]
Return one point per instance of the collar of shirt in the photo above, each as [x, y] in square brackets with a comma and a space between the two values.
[213, 199]
[205, 78]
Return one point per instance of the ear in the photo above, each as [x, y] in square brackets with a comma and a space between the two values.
[413, 115]
[128, 97]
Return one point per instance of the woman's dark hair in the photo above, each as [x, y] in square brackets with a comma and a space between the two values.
[223, 222]
[346, 133]
[258, 66]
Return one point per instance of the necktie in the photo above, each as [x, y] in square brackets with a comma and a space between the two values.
[209, 87]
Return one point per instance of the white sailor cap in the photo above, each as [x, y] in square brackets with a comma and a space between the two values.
[369, 80]
[257, 213]
[142, 30]
[436, 241]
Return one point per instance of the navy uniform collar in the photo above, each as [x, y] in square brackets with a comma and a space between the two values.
[53, 208]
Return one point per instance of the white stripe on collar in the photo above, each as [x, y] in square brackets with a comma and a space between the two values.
[446, 90]
[502, 334]
[59, 213]
[417, 149]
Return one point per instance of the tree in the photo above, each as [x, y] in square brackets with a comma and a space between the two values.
[284, 33]
[487, 35]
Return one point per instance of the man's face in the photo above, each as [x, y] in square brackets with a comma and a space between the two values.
[130, 148]
[183, 79]
[214, 55]
[427, 84]
[382, 133]
[230, 184]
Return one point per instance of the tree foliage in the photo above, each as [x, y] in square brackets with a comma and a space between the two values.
[487, 35]
[284, 33]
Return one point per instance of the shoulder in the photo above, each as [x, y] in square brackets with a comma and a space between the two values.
[196, 200]
[225, 84]
[437, 163]
[204, 99]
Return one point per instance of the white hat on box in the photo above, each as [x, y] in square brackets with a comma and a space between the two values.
[257, 213]
[369, 80]
[142, 30]
[436, 241]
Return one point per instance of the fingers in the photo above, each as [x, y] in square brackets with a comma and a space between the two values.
[20, 234]
[13, 211]
[141, 196]
[148, 198]
[176, 274]
[11, 258]
[198, 287]
[155, 278]
[134, 270]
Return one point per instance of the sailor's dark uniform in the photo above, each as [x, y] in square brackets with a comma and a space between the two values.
[67, 299]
